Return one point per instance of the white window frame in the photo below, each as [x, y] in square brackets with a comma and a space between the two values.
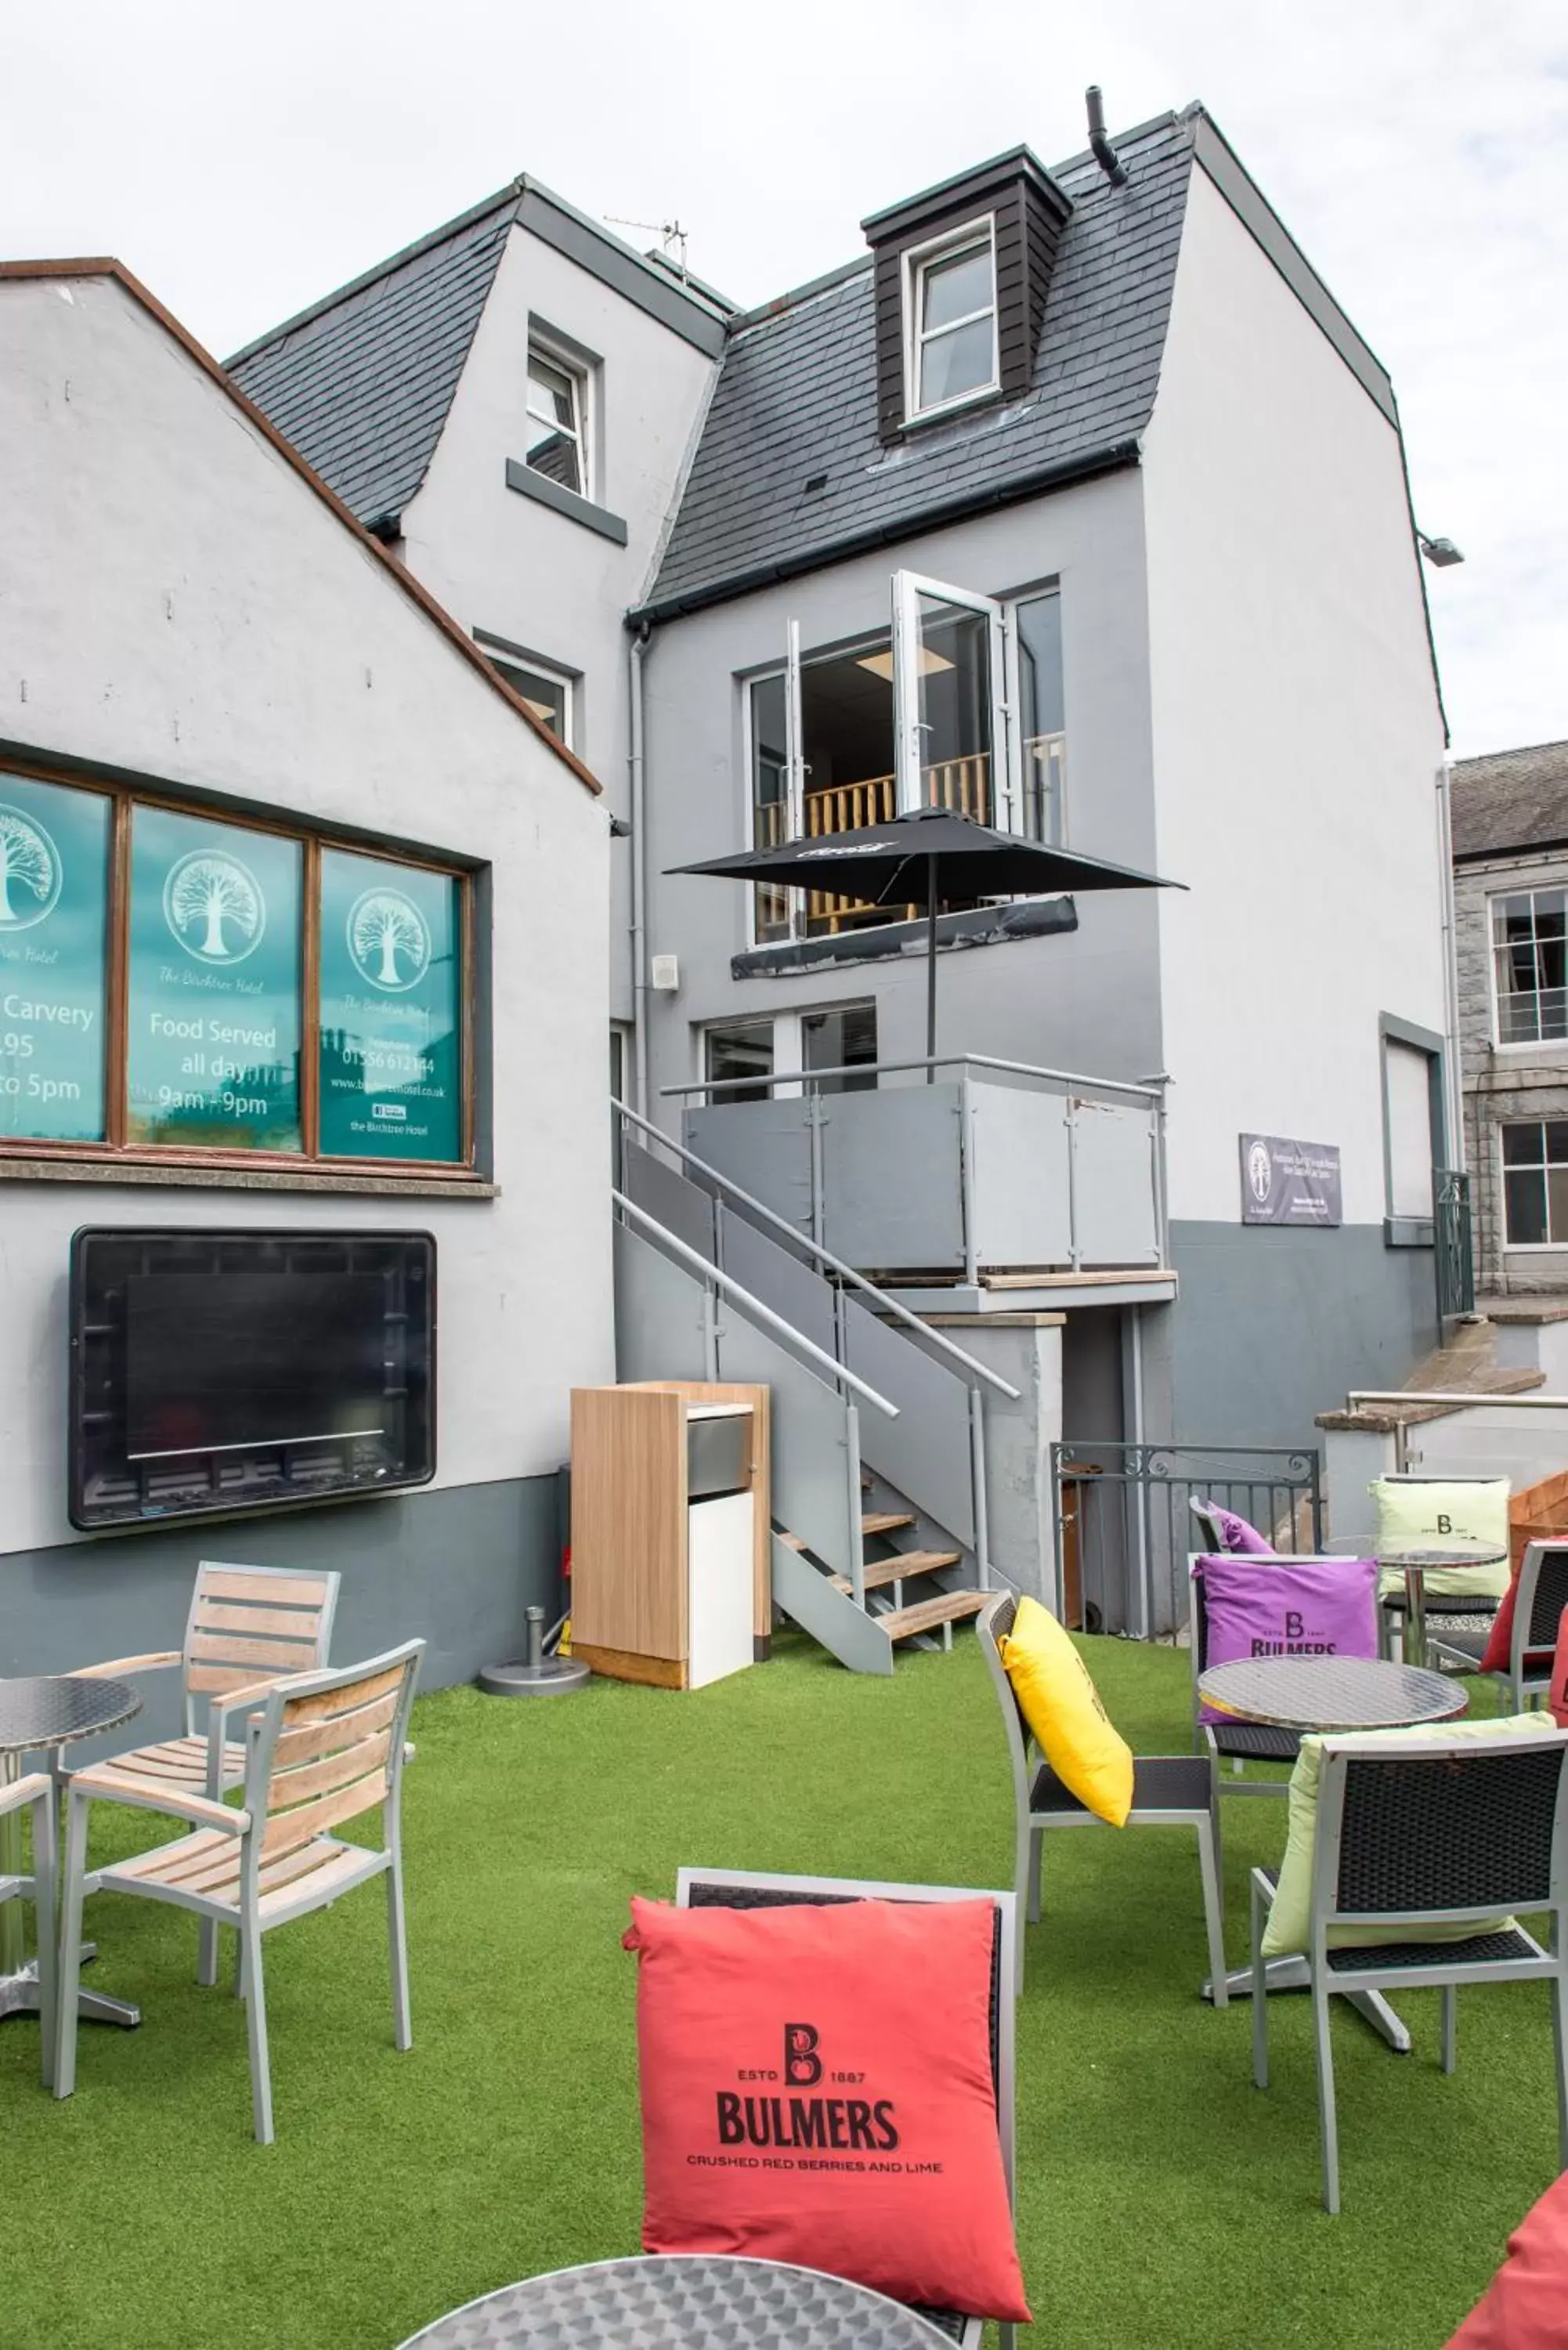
[579, 373]
[917, 261]
[1549, 1046]
[909, 586]
[496, 649]
[1520, 1248]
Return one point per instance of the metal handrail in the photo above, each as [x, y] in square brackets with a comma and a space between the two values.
[888, 1304]
[751, 1305]
[1358, 1396]
[1147, 1093]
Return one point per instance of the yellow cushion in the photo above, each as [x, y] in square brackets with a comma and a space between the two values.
[1472, 1513]
[1062, 1707]
[1286, 1931]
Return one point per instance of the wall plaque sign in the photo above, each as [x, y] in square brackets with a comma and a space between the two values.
[213, 996]
[392, 986]
[54, 889]
[1290, 1182]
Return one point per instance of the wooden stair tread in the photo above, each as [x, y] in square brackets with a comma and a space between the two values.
[903, 1563]
[898, 1623]
[884, 1522]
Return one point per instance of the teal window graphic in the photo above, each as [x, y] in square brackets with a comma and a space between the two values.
[214, 992]
[53, 896]
[391, 988]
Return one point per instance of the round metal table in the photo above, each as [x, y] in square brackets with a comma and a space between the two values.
[1330, 1693]
[1326, 1694]
[1416, 1564]
[49, 1710]
[686, 2301]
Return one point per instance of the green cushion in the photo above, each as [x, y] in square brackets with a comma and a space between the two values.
[1288, 1920]
[1468, 1514]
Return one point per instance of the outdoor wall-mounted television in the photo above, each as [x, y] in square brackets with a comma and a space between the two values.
[234, 1370]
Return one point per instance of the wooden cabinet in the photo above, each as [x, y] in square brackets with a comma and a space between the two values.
[671, 1572]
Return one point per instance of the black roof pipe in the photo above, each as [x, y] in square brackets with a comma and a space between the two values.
[1100, 147]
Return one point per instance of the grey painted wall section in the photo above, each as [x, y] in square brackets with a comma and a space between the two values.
[456, 1569]
[1274, 1325]
[1088, 1000]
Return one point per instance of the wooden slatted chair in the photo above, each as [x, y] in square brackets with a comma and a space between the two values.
[324, 1748]
[248, 1626]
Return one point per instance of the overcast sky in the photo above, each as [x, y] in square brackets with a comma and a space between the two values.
[244, 159]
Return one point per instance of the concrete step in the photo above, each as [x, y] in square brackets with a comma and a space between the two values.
[950, 1607]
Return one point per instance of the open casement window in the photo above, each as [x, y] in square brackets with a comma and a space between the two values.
[556, 420]
[951, 663]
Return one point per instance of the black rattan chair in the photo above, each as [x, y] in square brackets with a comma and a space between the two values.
[1170, 1790]
[1410, 1832]
[724, 1889]
[1539, 1602]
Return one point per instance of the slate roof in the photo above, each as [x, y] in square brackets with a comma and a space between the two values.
[796, 396]
[361, 383]
[1511, 800]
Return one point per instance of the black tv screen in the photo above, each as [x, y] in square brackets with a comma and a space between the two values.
[223, 1370]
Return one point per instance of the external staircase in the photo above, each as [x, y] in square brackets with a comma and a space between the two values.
[880, 1534]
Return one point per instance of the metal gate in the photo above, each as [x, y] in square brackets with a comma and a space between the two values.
[1122, 1521]
[1451, 1231]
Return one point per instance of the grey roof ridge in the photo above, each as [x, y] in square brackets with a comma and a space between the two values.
[1056, 475]
[702, 297]
[1514, 751]
[763, 311]
[510, 194]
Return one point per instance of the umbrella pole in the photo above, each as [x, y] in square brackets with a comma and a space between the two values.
[931, 970]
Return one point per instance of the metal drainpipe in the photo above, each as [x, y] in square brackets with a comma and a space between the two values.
[638, 878]
[1456, 1087]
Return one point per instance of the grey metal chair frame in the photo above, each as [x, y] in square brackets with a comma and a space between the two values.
[35, 1793]
[1031, 1818]
[1359, 1828]
[1539, 1602]
[272, 1860]
[745, 1882]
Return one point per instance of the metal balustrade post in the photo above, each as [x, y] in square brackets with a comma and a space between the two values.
[966, 1181]
[1070, 1120]
[976, 1473]
[856, 1502]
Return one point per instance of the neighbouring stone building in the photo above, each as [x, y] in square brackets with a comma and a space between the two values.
[1511, 937]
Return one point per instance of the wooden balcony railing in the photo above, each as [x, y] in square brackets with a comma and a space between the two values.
[963, 785]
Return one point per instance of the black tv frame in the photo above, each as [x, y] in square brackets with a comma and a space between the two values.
[107, 1491]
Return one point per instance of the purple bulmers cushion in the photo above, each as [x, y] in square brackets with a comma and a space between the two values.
[1237, 1535]
[1295, 1608]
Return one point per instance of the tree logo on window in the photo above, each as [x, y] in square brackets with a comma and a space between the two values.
[214, 906]
[1261, 1172]
[30, 871]
[389, 940]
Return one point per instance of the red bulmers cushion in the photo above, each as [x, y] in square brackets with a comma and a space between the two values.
[1524, 2308]
[817, 2087]
[1500, 1641]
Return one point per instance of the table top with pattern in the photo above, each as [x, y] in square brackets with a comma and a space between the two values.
[1423, 1554]
[1330, 1693]
[682, 2301]
[53, 1709]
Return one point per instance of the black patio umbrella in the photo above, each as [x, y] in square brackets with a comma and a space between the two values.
[921, 858]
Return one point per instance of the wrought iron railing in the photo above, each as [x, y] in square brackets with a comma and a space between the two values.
[1124, 1528]
[1454, 1250]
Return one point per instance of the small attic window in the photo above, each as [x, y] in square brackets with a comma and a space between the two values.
[950, 320]
[557, 404]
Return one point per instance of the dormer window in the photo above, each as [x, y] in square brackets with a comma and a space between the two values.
[556, 406]
[950, 305]
[960, 278]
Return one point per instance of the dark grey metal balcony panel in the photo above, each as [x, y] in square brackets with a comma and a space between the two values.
[658, 1314]
[1019, 1182]
[925, 1452]
[892, 1178]
[676, 1202]
[765, 1146]
[768, 1269]
[1113, 1185]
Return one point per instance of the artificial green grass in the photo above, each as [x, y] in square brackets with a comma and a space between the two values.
[1162, 2201]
